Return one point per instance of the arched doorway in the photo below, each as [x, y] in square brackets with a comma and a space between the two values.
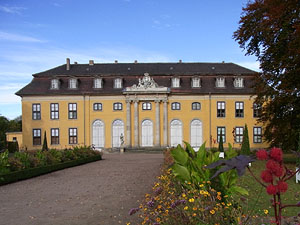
[196, 134]
[176, 133]
[147, 133]
[117, 132]
[98, 134]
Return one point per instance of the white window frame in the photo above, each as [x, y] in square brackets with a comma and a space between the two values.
[36, 111]
[256, 110]
[196, 82]
[175, 82]
[118, 83]
[239, 131]
[54, 136]
[73, 83]
[220, 82]
[73, 136]
[98, 83]
[36, 134]
[147, 106]
[176, 106]
[117, 106]
[54, 84]
[221, 109]
[239, 110]
[97, 106]
[238, 82]
[54, 111]
[257, 135]
[72, 110]
[196, 106]
[223, 134]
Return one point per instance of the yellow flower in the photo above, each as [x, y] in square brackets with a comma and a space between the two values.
[186, 208]
[201, 185]
[183, 195]
[219, 197]
[158, 219]
[208, 182]
[212, 212]
[229, 204]
[195, 208]
[194, 214]
[191, 200]
[128, 223]
[159, 206]
[266, 211]
[219, 193]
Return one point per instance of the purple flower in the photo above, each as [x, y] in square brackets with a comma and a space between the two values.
[150, 203]
[177, 202]
[156, 223]
[133, 211]
[158, 190]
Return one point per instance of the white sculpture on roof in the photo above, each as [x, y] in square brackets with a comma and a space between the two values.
[146, 84]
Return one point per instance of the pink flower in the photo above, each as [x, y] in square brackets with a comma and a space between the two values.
[266, 176]
[271, 189]
[276, 154]
[262, 154]
[282, 186]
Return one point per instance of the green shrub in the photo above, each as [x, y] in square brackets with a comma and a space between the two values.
[12, 146]
[15, 164]
[57, 154]
[245, 149]
[45, 144]
[41, 157]
[24, 158]
[68, 155]
[4, 165]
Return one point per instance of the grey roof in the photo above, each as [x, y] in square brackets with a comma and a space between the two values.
[124, 69]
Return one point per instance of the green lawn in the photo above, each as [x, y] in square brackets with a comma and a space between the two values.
[258, 199]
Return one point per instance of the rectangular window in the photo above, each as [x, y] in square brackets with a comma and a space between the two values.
[54, 84]
[54, 136]
[175, 82]
[73, 83]
[97, 83]
[146, 106]
[239, 109]
[36, 135]
[220, 82]
[239, 134]
[36, 111]
[221, 109]
[256, 110]
[175, 106]
[118, 106]
[257, 134]
[118, 83]
[72, 110]
[72, 135]
[219, 130]
[97, 106]
[54, 111]
[238, 82]
[196, 82]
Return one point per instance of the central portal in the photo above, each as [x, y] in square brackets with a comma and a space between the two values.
[147, 133]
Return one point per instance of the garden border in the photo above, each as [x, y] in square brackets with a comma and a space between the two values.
[37, 171]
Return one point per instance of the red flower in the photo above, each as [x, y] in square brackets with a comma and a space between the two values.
[262, 154]
[276, 154]
[266, 176]
[274, 167]
[278, 172]
[271, 189]
[282, 186]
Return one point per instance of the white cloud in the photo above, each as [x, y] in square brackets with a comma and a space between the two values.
[11, 9]
[18, 37]
[250, 65]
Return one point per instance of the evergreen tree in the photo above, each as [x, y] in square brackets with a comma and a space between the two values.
[45, 145]
[221, 148]
[245, 150]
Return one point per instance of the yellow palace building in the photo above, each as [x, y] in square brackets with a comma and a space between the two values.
[140, 105]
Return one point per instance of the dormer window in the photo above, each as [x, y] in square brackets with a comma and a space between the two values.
[175, 82]
[54, 84]
[72, 83]
[238, 82]
[98, 83]
[118, 83]
[196, 82]
[220, 82]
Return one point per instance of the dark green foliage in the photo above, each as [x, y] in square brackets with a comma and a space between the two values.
[12, 146]
[15, 164]
[245, 149]
[4, 165]
[24, 159]
[221, 147]
[45, 144]
[7, 125]
[33, 172]
[270, 30]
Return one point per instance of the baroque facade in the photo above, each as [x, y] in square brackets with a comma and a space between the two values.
[140, 105]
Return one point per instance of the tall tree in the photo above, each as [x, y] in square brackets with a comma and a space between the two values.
[270, 30]
[245, 149]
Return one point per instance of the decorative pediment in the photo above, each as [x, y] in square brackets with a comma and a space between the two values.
[146, 84]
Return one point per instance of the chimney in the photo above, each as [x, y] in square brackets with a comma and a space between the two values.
[67, 63]
[223, 61]
[75, 63]
[180, 61]
[116, 61]
[91, 62]
[135, 61]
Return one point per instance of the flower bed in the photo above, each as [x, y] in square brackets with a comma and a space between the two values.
[24, 165]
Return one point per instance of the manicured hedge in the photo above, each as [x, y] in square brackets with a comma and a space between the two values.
[33, 172]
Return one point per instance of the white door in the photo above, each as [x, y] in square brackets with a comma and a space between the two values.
[176, 133]
[117, 132]
[196, 134]
[147, 133]
[98, 134]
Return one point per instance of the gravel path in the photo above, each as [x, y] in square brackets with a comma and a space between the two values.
[101, 192]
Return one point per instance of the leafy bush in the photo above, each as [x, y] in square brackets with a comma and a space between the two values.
[24, 159]
[15, 164]
[245, 149]
[4, 165]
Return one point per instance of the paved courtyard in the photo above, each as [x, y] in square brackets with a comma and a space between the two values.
[101, 192]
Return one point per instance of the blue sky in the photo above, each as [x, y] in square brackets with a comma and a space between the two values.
[37, 35]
